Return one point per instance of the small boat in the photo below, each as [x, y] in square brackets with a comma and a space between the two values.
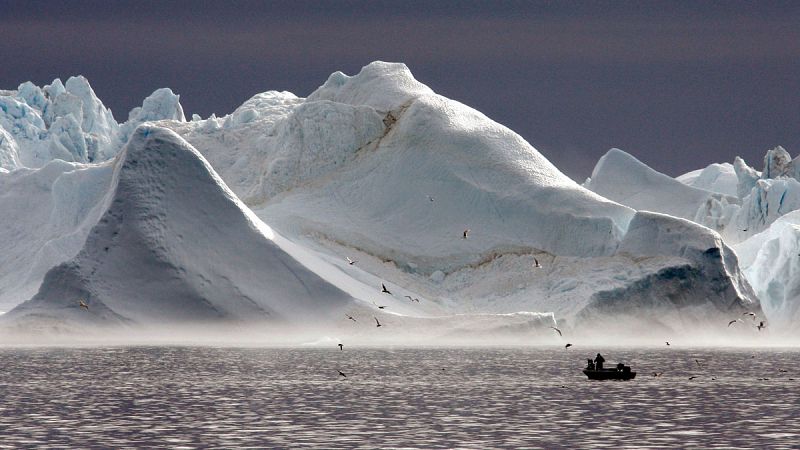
[621, 372]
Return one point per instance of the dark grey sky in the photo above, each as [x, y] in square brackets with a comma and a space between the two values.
[677, 84]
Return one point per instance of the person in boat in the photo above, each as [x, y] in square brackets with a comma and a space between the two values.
[598, 361]
[589, 364]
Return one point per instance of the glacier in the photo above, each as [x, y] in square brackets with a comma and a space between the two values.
[376, 167]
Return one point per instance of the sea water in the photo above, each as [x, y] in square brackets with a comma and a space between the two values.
[195, 397]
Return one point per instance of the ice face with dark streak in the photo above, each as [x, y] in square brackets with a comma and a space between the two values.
[197, 397]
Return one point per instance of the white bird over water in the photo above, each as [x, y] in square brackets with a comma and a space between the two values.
[83, 305]
[536, 264]
[350, 261]
[557, 330]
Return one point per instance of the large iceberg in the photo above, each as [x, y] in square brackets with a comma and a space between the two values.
[432, 198]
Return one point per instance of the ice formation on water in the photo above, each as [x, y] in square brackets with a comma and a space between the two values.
[374, 166]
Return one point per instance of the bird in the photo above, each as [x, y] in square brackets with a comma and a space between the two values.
[415, 300]
[377, 321]
[667, 342]
[384, 290]
[657, 374]
[466, 232]
[351, 317]
[745, 229]
[536, 264]
[83, 305]
[761, 326]
[341, 347]
[782, 370]
[557, 330]
[350, 261]
[567, 346]
[430, 197]
[341, 373]
[751, 314]
[379, 306]
[698, 363]
[409, 297]
[734, 321]
[692, 378]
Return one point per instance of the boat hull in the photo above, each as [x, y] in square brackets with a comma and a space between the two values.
[609, 374]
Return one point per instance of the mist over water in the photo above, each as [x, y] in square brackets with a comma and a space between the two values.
[396, 397]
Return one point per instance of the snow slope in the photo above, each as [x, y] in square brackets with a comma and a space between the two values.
[624, 179]
[45, 216]
[174, 245]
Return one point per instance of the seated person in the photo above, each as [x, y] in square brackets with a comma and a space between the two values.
[589, 364]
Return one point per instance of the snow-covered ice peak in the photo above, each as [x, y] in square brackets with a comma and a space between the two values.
[380, 85]
[68, 121]
[176, 245]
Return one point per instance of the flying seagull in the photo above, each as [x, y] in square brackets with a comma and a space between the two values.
[341, 373]
[734, 321]
[752, 314]
[536, 264]
[692, 378]
[667, 343]
[384, 290]
[698, 363]
[379, 306]
[761, 326]
[350, 261]
[341, 347]
[408, 297]
[351, 317]
[430, 197]
[557, 330]
[466, 232]
[377, 321]
[567, 346]
[83, 305]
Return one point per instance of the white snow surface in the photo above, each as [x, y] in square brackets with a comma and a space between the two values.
[719, 178]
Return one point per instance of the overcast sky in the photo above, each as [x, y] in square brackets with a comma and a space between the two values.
[677, 84]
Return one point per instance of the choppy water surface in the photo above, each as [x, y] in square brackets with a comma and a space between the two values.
[479, 398]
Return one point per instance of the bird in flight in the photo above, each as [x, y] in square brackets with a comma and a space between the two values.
[692, 378]
[751, 314]
[698, 363]
[83, 304]
[557, 330]
[536, 264]
[408, 297]
[734, 321]
[351, 317]
[384, 290]
[466, 232]
[567, 346]
[341, 373]
[430, 197]
[350, 261]
[379, 306]
[341, 347]
[378, 322]
[667, 342]
[761, 326]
